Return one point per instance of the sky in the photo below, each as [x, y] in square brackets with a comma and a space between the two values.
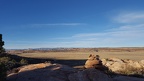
[72, 23]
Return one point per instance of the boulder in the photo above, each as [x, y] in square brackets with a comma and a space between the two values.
[93, 62]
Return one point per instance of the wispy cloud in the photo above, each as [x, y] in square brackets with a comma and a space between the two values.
[123, 31]
[129, 17]
[124, 35]
[128, 34]
[59, 24]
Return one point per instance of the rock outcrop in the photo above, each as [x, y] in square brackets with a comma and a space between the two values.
[126, 78]
[116, 64]
[58, 72]
[90, 74]
[94, 62]
[42, 72]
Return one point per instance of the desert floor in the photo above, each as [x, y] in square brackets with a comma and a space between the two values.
[135, 55]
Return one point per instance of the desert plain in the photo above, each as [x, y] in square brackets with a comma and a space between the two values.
[136, 54]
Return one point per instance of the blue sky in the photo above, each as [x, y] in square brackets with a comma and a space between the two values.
[72, 23]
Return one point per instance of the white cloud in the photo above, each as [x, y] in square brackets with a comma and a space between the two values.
[48, 25]
[59, 24]
[120, 36]
[123, 36]
[128, 35]
[130, 17]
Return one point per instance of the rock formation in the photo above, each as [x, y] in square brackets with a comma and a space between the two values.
[42, 72]
[93, 62]
[58, 72]
[90, 74]
[118, 65]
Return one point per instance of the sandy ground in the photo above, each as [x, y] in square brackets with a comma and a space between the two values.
[136, 55]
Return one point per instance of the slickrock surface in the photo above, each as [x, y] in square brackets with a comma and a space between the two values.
[58, 72]
[42, 72]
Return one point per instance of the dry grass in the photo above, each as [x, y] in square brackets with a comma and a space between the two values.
[135, 55]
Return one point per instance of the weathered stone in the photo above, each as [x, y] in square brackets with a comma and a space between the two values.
[58, 72]
[104, 61]
[109, 63]
[93, 62]
[116, 66]
[126, 78]
[42, 72]
[116, 60]
[141, 63]
[90, 74]
[134, 64]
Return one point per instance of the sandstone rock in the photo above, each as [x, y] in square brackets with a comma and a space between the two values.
[34, 66]
[42, 72]
[58, 72]
[104, 61]
[93, 62]
[116, 66]
[116, 60]
[126, 78]
[109, 63]
[134, 64]
[90, 74]
[141, 63]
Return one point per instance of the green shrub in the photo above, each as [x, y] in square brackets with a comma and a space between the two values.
[5, 59]
[9, 63]
[23, 62]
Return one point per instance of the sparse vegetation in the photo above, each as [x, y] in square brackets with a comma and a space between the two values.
[8, 62]
[23, 62]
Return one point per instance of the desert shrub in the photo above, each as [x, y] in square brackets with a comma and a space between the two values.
[3, 70]
[23, 62]
[9, 63]
[5, 59]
